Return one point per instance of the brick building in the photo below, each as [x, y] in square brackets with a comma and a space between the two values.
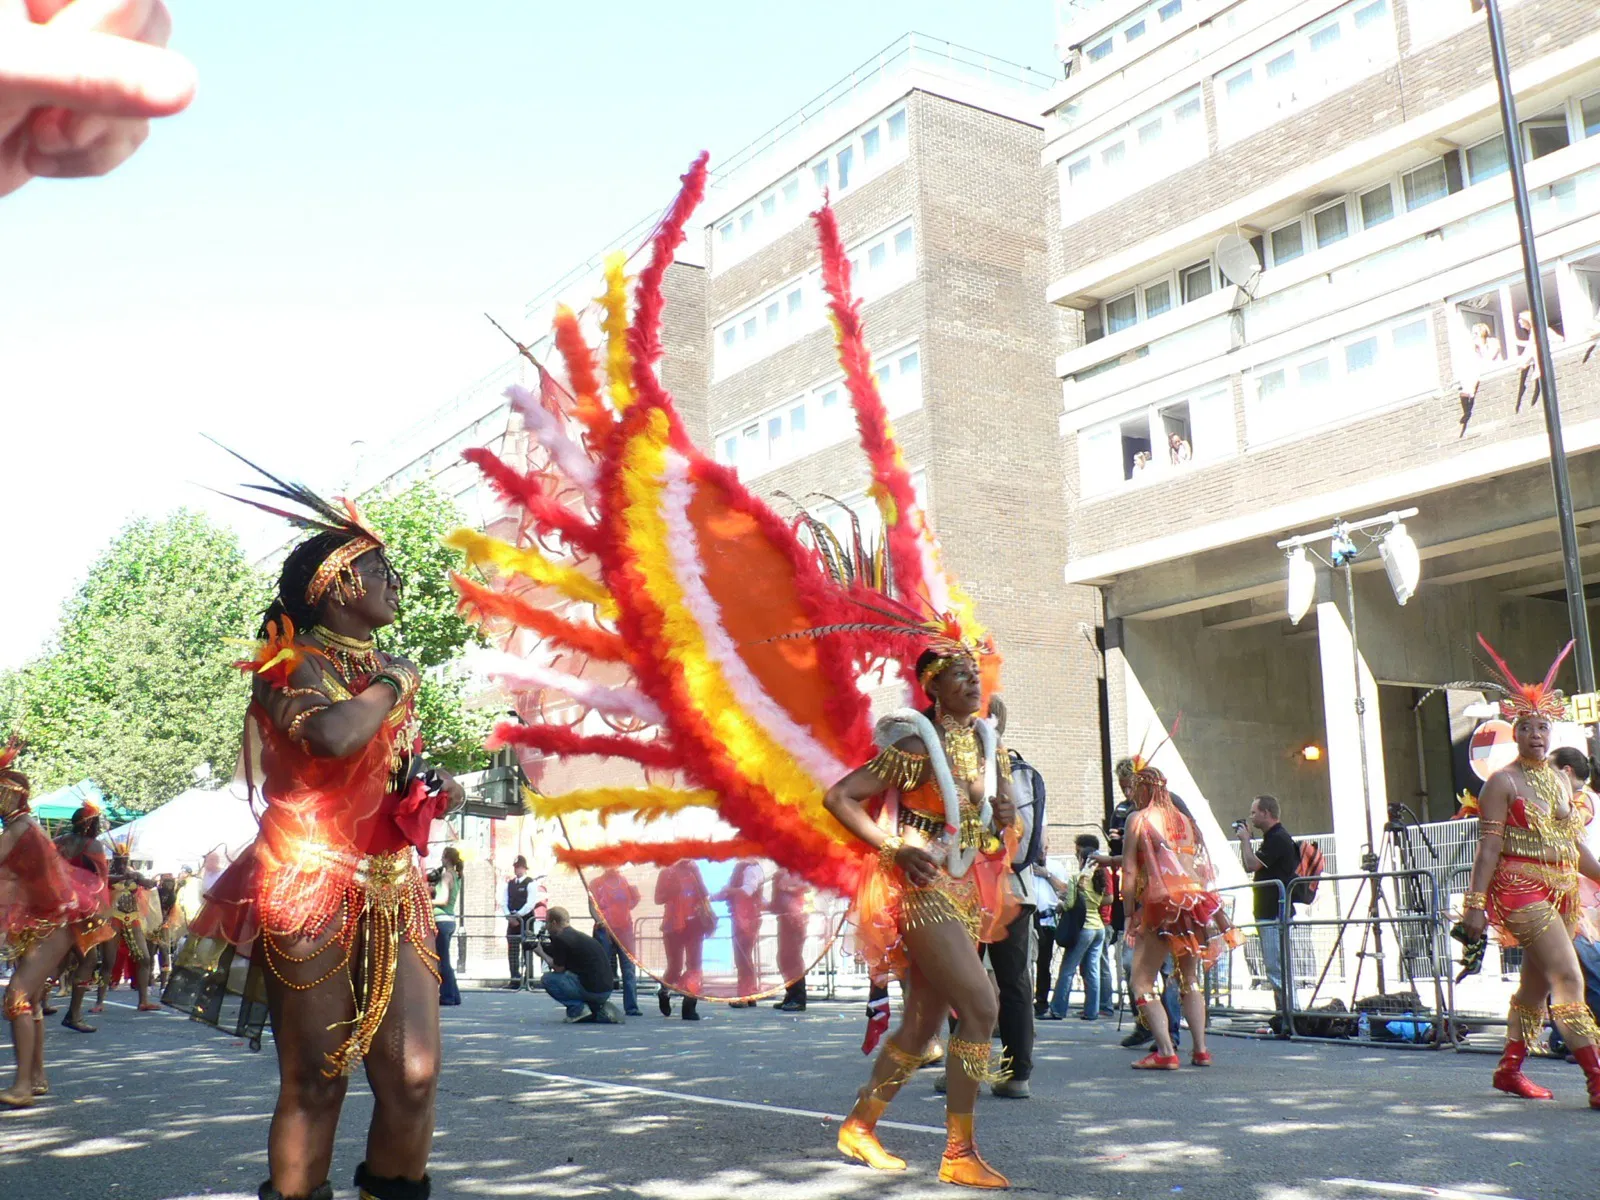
[1373, 363]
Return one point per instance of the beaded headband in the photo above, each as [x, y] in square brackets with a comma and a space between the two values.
[933, 669]
[338, 572]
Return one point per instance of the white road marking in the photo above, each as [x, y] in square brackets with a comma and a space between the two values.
[1408, 1189]
[691, 1098]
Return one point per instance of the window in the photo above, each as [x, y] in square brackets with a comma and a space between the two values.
[747, 220]
[1098, 51]
[726, 231]
[795, 300]
[797, 420]
[846, 159]
[1341, 379]
[897, 126]
[1545, 137]
[1131, 157]
[1288, 243]
[1371, 13]
[1487, 159]
[1240, 83]
[749, 328]
[830, 398]
[869, 144]
[791, 190]
[1170, 9]
[1133, 32]
[728, 336]
[1120, 313]
[819, 175]
[1157, 299]
[1377, 206]
[730, 450]
[877, 256]
[1196, 281]
[769, 206]
[1280, 66]
[1325, 37]
[1425, 184]
[1157, 442]
[1330, 225]
[1496, 326]
[774, 312]
[1589, 112]
[902, 241]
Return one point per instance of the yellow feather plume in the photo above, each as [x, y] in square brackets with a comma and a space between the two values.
[619, 363]
[481, 550]
[645, 804]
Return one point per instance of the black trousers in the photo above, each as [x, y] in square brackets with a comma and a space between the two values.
[1044, 941]
[1011, 961]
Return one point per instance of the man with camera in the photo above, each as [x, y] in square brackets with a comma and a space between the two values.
[580, 972]
[1277, 859]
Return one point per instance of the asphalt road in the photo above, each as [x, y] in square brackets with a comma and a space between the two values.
[154, 1107]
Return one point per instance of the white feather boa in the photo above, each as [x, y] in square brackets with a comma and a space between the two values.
[908, 722]
[520, 675]
[547, 430]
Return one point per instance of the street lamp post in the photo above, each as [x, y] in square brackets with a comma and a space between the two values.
[1577, 610]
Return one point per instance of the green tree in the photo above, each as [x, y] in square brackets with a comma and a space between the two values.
[429, 630]
[138, 691]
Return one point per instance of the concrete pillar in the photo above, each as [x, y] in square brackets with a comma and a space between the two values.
[1341, 670]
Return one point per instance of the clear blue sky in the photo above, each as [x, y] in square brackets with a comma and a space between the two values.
[302, 258]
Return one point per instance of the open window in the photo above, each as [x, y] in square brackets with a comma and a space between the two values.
[1495, 327]
[1177, 435]
[1136, 450]
[1585, 315]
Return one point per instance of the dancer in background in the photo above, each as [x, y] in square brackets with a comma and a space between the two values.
[687, 920]
[612, 901]
[44, 903]
[331, 896]
[1167, 879]
[743, 897]
[136, 911]
[790, 894]
[81, 847]
[1525, 882]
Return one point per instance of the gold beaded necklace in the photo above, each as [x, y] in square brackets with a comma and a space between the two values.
[961, 748]
[354, 657]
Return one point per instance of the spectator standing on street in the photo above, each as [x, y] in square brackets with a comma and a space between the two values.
[446, 912]
[580, 972]
[790, 893]
[1278, 859]
[519, 902]
[1047, 900]
[612, 905]
[1089, 886]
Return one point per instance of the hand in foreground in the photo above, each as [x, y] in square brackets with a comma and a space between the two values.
[919, 866]
[1004, 809]
[452, 789]
[79, 81]
[1475, 921]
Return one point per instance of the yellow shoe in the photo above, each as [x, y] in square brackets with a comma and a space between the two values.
[962, 1164]
[859, 1142]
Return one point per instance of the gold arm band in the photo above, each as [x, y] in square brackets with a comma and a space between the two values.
[891, 847]
[1491, 828]
[1475, 900]
[900, 769]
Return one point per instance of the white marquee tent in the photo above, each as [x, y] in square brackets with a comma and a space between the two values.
[188, 827]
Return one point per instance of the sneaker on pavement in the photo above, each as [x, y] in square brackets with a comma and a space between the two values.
[581, 1019]
[1139, 1037]
[1012, 1089]
[610, 1015]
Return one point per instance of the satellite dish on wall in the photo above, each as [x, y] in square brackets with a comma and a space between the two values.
[1237, 260]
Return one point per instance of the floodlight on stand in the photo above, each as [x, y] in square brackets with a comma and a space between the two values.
[1401, 561]
[1302, 584]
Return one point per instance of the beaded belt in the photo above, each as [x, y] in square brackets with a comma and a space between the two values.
[932, 826]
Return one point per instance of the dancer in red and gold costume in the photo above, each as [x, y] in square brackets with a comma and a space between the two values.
[687, 920]
[330, 896]
[938, 890]
[136, 913]
[723, 644]
[790, 894]
[1166, 879]
[48, 908]
[743, 898]
[1525, 882]
[80, 845]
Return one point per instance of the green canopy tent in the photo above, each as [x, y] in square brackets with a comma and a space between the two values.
[62, 803]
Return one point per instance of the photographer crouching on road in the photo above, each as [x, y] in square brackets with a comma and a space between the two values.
[579, 974]
[1278, 858]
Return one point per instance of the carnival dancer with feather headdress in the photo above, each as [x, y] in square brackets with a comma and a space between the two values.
[1525, 882]
[330, 897]
[48, 908]
[655, 593]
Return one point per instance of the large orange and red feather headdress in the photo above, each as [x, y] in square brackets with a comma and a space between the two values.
[1528, 699]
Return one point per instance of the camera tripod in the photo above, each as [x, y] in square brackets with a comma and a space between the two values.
[1397, 847]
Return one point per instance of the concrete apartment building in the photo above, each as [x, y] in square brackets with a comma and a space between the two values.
[1356, 144]
[931, 157]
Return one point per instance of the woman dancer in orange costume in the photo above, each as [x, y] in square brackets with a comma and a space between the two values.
[45, 906]
[1166, 879]
[937, 893]
[1525, 881]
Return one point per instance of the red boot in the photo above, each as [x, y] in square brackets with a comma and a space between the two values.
[1589, 1059]
[1508, 1077]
